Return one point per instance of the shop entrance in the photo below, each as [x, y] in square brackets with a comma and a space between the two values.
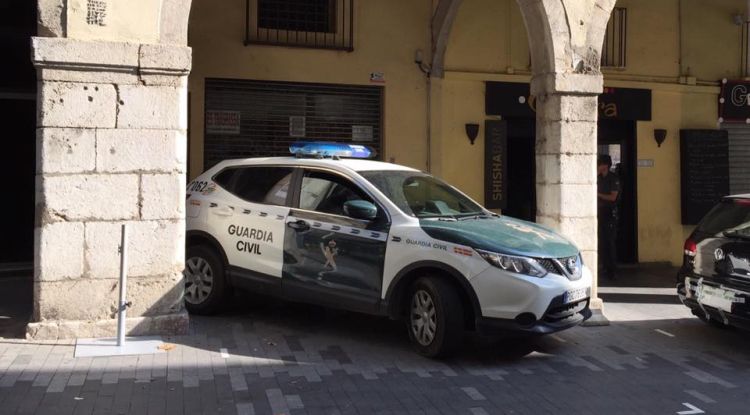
[616, 138]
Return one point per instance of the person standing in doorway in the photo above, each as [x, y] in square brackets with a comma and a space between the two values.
[608, 191]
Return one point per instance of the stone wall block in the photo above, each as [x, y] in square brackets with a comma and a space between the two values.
[65, 150]
[122, 76]
[568, 108]
[89, 196]
[152, 107]
[176, 323]
[563, 168]
[566, 200]
[150, 296]
[591, 260]
[59, 249]
[125, 150]
[161, 57]
[554, 137]
[50, 18]
[155, 248]
[566, 82]
[162, 196]
[582, 231]
[61, 52]
[84, 105]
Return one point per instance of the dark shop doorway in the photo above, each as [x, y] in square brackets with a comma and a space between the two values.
[17, 164]
[521, 169]
[616, 138]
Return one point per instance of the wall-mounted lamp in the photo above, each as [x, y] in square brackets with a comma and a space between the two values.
[472, 130]
[419, 60]
[660, 135]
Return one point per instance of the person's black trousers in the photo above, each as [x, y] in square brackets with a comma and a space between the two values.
[607, 246]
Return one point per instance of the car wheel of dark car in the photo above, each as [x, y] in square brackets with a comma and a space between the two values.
[205, 285]
[713, 322]
[435, 318]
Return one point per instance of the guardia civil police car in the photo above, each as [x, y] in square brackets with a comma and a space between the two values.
[331, 228]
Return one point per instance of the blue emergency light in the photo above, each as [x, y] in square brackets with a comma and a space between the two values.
[330, 149]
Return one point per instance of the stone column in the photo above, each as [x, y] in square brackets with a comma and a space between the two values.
[111, 142]
[566, 151]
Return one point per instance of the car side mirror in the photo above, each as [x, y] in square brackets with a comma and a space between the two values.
[360, 209]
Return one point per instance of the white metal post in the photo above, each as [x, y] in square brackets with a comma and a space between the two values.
[123, 286]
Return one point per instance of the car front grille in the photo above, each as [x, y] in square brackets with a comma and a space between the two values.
[549, 265]
[559, 266]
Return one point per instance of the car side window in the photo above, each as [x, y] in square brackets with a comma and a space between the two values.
[266, 185]
[327, 193]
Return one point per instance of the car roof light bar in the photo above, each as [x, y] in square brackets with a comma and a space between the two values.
[323, 149]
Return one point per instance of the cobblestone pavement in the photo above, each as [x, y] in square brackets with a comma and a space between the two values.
[262, 358]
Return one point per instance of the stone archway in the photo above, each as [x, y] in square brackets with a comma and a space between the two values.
[565, 39]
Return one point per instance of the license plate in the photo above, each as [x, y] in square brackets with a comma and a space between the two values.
[716, 297]
[575, 295]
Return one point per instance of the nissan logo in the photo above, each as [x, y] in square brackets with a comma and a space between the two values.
[719, 254]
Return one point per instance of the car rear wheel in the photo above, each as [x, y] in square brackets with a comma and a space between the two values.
[205, 285]
[435, 318]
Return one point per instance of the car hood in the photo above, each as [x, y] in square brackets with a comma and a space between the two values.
[501, 234]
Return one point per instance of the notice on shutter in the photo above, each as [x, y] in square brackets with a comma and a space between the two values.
[223, 122]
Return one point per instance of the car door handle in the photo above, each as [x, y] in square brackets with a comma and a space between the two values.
[224, 211]
[299, 225]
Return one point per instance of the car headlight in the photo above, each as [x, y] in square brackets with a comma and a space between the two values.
[517, 264]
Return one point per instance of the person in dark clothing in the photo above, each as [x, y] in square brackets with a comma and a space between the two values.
[608, 191]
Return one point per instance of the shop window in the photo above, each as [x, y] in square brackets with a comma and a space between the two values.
[615, 39]
[325, 24]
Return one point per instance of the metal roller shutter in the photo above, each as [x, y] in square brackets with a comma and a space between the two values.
[739, 157]
[262, 118]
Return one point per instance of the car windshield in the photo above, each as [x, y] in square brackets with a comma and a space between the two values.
[423, 196]
[730, 218]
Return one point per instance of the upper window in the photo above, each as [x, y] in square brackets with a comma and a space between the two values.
[615, 39]
[297, 15]
[266, 185]
[327, 193]
[326, 24]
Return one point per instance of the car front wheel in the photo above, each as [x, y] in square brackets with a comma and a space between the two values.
[436, 317]
[205, 287]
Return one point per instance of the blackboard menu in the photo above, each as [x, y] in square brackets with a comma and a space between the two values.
[495, 164]
[704, 172]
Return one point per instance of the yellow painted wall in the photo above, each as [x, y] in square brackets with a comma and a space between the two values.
[462, 164]
[660, 232]
[500, 24]
[488, 38]
[387, 34]
[711, 42]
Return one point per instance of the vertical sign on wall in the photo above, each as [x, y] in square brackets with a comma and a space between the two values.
[495, 164]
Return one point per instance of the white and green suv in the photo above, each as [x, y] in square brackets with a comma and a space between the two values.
[376, 238]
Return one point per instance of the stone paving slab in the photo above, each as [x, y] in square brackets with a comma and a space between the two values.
[292, 359]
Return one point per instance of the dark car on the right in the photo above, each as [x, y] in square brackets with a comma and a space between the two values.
[714, 280]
